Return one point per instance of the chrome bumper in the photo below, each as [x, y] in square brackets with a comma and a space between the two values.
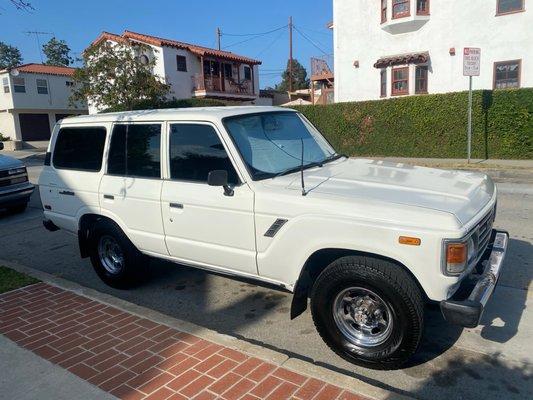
[468, 312]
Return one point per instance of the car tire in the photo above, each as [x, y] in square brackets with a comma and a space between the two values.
[18, 209]
[369, 311]
[114, 257]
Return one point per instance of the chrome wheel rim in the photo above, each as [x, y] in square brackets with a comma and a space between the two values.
[110, 255]
[362, 316]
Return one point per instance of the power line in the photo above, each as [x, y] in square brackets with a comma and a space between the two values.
[311, 41]
[270, 44]
[253, 34]
[329, 33]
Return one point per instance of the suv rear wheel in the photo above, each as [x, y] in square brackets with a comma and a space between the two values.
[369, 311]
[115, 259]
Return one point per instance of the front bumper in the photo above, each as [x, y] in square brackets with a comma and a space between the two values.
[468, 312]
[17, 196]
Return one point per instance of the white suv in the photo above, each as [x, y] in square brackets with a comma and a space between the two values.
[257, 192]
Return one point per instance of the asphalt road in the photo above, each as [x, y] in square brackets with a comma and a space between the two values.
[492, 361]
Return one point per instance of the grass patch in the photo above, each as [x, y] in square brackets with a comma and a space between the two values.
[10, 279]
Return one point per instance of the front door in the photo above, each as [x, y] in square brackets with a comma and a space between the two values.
[202, 225]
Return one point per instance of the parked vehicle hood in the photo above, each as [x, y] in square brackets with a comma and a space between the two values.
[7, 162]
[460, 193]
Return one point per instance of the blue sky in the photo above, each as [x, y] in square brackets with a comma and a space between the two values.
[79, 22]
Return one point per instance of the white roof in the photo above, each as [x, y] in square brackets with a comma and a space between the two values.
[297, 102]
[193, 113]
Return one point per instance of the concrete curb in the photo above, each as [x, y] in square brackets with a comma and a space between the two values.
[303, 367]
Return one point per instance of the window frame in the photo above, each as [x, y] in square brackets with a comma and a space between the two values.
[396, 93]
[184, 59]
[45, 86]
[383, 9]
[104, 150]
[426, 67]
[161, 149]
[496, 63]
[383, 85]
[15, 85]
[247, 67]
[498, 12]
[231, 157]
[403, 14]
[427, 11]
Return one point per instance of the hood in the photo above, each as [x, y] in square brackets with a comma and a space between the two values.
[460, 193]
[7, 162]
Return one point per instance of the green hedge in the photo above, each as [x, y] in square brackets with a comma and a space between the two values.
[174, 103]
[431, 125]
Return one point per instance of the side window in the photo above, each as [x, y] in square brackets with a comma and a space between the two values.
[195, 150]
[247, 73]
[135, 151]
[80, 148]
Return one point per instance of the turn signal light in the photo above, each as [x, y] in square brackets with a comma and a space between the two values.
[411, 241]
[456, 257]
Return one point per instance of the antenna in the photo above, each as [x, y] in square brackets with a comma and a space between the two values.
[302, 169]
[14, 72]
[37, 34]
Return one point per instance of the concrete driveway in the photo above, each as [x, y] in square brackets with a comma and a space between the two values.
[492, 361]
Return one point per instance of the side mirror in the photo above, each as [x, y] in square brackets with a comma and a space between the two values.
[219, 177]
[1, 146]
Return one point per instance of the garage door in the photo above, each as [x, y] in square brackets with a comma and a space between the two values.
[34, 127]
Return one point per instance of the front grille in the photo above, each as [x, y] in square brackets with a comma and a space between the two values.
[481, 234]
[13, 176]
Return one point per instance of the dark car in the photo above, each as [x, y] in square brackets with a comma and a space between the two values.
[15, 189]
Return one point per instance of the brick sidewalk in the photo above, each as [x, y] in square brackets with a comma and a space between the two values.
[135, 358]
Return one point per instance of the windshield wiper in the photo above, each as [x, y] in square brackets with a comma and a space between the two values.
[297, 168]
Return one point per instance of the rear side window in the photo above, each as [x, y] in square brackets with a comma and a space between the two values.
[80, 148]
[135, 151]
[195, 150]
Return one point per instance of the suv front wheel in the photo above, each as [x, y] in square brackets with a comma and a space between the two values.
[369, 311]
[115, 259]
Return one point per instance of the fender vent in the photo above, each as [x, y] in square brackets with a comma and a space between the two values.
[275, 227]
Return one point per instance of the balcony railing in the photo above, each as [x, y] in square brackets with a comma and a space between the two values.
[225, 85]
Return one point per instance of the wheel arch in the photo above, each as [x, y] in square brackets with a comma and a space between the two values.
[318, 261]
[85, 225]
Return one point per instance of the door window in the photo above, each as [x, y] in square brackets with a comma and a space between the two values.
[135, 150]
[195, 150]
[80, 148]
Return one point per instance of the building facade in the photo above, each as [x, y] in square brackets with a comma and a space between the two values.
[33, 97]
[194, 71]
[388, 48]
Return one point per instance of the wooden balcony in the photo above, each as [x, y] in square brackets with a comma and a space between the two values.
[221, 87]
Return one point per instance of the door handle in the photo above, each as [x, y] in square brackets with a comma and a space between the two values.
[176, 205]
[109, 197]
[66, 192]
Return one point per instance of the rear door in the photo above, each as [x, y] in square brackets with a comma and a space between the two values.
[130, 191]
[69, 185]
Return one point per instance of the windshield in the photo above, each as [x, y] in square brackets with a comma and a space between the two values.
[271, 143]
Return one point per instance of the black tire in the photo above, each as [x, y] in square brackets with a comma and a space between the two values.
[398, 292]
[133, 267]
[18, 209]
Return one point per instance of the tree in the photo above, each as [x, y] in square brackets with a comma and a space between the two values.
[299, 77]
[57, 53]
[9, 56]
[118, 75]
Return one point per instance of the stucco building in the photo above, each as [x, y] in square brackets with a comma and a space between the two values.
[194, 71]
[33, 97]
[386, 48]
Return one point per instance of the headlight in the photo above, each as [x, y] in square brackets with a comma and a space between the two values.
[457, 255]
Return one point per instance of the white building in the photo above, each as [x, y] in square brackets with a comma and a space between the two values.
[32, 98]
[197, 72]
[387, 48]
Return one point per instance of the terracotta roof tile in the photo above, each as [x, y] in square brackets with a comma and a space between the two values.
[45, 69]
[158, 41]
[408, 58]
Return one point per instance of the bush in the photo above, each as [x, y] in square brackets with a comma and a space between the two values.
[174, 103]
[4, 138]
[431, 125]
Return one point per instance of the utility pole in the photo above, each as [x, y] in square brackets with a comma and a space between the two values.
[37, 34]
[290, 56]
[219, 34]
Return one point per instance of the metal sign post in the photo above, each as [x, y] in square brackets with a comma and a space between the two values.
[471, 67]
